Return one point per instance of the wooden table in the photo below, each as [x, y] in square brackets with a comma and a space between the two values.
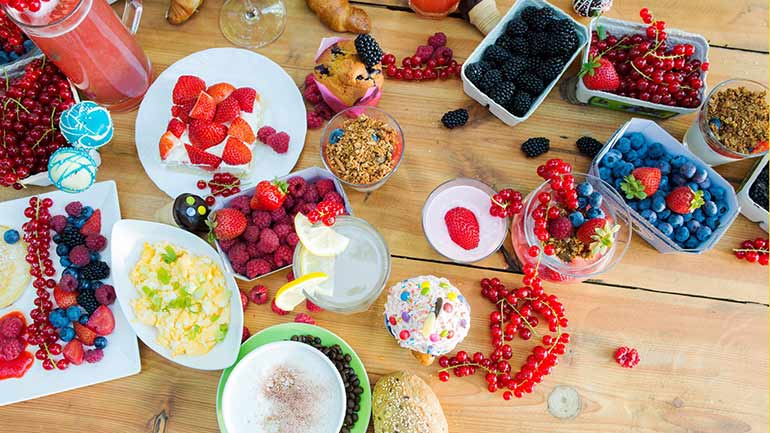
[699, 322]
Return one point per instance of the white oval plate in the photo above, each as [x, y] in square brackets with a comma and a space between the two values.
[128, 238]
[284, 110]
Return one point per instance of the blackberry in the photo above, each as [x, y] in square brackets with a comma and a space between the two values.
[758, 190]
[491, 80]
[520, 104]
[503, 93]
[513, 67]
[516, 27]
[550, 69]
[71, 236]
[505, 42]
[529, 13]
[535, 146]
[519, 45]
[563, 39]
[87, 300]
[538, 43]
[369, 50]
[541, 20]
[453, 119]
[496, 54]
[475, 71]
[96, 270]
[589, 146]
[530, 84]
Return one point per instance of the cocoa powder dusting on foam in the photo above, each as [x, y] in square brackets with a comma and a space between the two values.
[294, 401]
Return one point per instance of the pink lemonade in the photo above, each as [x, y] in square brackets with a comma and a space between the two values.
[90, 44]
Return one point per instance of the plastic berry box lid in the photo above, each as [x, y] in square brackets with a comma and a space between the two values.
[654, 133]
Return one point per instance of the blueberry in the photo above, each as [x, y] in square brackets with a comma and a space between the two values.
[637, 140]
[678, 180]
[11, 236]
[28, 45]
[645, 204]
[700, 175]
[675, 220]
[605, 173]
[65, 261]
[577, 219]
[691, 242]
[584, 189]
[62, 250]
[611, 158]
[715, 122]
[664, 166]
[95, 256]
[56, 238]
[650, 162]
[698, 215]
[73, 313]
[713, 222]
[637, 163]
[66, 333]
[71, 271]
[722, 208]
[4, 57]
[84, 284]
[710, 208]
[634, 205]
[655, 150]
[658, 203]
[582, 202]
[83, 319]
[663, 184]
[616, 183]
[705, 184]
[687, 170]
[100, 342]
[664, 214]
[693, 186]
[642, 150]
[80, 222]
[71, 220]
[335, 135]
[692, 226]
[595, 199]
[717, 192]
[623, 145]
[58, 318]
[375, 137]
[703, 233]
[631, 155]
[13, 55]
[687, 217]
[86, 212]
[649, 215]
[665, 228]
[681, 234]
[706, 195]
[678, 161]
[618, 170]
[595, 212]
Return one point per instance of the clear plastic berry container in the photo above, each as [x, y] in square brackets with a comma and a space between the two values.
[553, 269]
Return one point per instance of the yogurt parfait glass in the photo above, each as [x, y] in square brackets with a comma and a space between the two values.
[702, 141]
[357, 276]
[554, 269]
[351, 122]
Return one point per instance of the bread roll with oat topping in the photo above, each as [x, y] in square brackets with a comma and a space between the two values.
[404, 403]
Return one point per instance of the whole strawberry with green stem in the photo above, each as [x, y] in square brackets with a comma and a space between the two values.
[684, 200]
[269, 196]
[598, 234]
[643, 182]
[599, 73]
[226, 224]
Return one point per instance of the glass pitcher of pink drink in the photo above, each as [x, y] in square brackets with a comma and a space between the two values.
[90, 44]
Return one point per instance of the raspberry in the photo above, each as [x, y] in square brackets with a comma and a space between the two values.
[437, 40]
[292, 239]
[10, 348]
[288, 202]
[79, 256]
[105, 294]
[279, 142]
[283, 256]
[311, 194]
[277, 310]
[226, 245]
[278, 214]
[309, 79]
[264, 133]
[314, 121]
[238, 254]
[313, 308]
[10, 327]
[58, 222]
[94, 355]
[239, 269]
[627, 357]
[74, 208]
[245, 334]
[290, 276]
[251, 234]
[312, 94]
[324, 185]
[244, 300]
[306, 208]
[560, 228]
[424, 52]
[241, 203]
[68, 283]
[268, 241]
[333, 196]
[258, 294]
[324, 110]
[297, 186]
[96, 243]
[257, 267]
[253, 249]
[282, 230]
[261, 219]
[304, 318]
[444, 52]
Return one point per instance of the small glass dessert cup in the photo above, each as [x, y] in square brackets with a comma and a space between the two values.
[335, 130]
[434, 8]
[702, 141]
[580, 268]
[471, 194]
[357, 276]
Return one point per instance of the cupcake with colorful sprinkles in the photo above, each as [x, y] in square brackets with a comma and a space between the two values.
[427, 315]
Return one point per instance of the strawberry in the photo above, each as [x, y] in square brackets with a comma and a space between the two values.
[167, 142]
[187, 88]
[204, 107]
[597, 234]
[220, 91]
[183, 111]
[202, 158]
[599, 74]
[73, 352]
[94, 224]
[226, 224]
[205, 134]
[63, 298]
[269, 196]
[643, 182]
[684, 200]
[236, 152]
[176, 127]
[241, 130]
[245, 97]
[227, 110]
[463, 227]
[102, 321]
[85, 335]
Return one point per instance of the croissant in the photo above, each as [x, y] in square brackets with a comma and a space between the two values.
[180, 11]
[339, 16]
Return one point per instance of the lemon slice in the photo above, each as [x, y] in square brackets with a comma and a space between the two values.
[319, 240]
[291, 294]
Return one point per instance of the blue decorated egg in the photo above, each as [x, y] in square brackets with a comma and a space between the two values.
[72, 169]
[86, 124]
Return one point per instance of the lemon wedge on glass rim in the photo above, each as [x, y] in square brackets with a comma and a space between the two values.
[319, 239]
[292, 293]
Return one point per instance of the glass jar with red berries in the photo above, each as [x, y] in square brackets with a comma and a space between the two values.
[568, 231]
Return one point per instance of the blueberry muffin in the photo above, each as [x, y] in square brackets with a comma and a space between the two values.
[343, 72]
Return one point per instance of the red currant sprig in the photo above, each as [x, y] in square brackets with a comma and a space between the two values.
[755, 251]
[415, 68]
[506, 203]
[627, 357]
[326, 212]
[23, 5]
[224, 184]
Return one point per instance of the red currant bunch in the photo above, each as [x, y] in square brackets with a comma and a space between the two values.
[221, 184]
[11, 37]
[430, 62]
[326, 212]
[23, 5]
[755, 251]
[506, 203]
[627, 357]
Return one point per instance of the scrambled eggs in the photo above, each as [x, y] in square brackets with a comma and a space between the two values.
[184, 296]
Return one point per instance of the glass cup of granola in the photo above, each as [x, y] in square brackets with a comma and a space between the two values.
[362, 147]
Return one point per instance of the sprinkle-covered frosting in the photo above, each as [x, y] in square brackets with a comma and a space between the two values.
[427, 314]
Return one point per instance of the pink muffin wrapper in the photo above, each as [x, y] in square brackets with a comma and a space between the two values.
[371, 98]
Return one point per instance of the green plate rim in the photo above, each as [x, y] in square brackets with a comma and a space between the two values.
[283, 332]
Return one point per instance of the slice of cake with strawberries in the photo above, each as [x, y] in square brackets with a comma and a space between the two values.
[212, 128]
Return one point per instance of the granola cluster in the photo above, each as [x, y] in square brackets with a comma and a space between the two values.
[738, 117]
[365, 152]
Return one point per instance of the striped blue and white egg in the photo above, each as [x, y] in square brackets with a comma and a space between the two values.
[86, 124]
[72, 169]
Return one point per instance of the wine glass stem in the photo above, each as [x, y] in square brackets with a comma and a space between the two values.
[252, 13]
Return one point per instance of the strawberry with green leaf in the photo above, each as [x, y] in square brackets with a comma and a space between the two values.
[269, 196]
[684, 200]
[643, 182]
[226, 224]
[598, 234]
[599, 73]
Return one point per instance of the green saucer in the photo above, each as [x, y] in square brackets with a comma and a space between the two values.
[284, 332]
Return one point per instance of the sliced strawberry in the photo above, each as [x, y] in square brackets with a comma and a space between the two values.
[73, 352]
[63, 298]
[227, 110]
[245, 97]
[94, 224]
[102, 321]
[182, 111]
[205, 134]
[176, 127]
[187, 88]
[241, 130]
[220, 91]
[167, 142]
[204, 107]
[85, 335]
[202, 158]
[236, 152]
